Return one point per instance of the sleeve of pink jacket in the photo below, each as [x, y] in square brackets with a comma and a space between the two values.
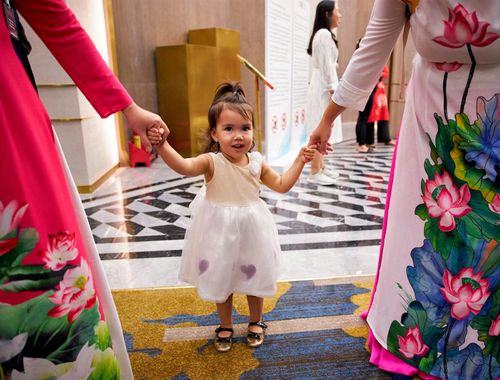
[61, 32]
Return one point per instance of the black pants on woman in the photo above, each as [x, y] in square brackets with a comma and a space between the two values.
[365, 131]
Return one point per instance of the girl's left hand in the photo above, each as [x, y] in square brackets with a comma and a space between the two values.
[155, 135]
[307, 153]
[141, 120]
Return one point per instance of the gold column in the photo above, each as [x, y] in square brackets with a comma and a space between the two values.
[187, 76]
[227, 43]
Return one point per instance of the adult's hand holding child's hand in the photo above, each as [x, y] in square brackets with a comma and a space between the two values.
[141, 121]
[307, 153]
[156, 136]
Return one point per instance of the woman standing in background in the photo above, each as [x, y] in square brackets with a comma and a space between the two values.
[324, 53]
[376, 110]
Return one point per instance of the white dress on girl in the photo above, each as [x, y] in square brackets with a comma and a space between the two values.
[231, 244]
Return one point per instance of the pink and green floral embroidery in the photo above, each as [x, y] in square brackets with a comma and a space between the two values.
[456, 273]
[57, 332]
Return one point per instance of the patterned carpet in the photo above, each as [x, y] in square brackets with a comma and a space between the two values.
[314, 332]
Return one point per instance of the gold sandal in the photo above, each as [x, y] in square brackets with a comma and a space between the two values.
[256, 339]
[223, 344]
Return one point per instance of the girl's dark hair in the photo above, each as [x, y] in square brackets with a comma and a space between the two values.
[324, 14]
[229, 95]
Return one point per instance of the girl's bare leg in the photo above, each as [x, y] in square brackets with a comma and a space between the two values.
[225, 311]
[256, 306]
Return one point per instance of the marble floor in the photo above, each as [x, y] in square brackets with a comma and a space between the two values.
[139, 215]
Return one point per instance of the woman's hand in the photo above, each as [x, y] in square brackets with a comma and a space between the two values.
[140, 121]
[319, 137]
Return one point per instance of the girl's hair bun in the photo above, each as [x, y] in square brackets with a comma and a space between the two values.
[230, 92]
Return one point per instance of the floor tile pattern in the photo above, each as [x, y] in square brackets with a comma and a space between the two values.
[146, 218]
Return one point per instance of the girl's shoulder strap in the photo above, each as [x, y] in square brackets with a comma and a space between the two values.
[256, 156]
[256, 160]
[214, 156]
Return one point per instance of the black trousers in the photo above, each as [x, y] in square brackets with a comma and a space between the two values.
[365, 131]
[383, 135]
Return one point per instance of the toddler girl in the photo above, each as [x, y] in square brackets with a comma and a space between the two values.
[231, 244]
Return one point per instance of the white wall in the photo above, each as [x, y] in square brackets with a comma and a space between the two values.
[89, 142]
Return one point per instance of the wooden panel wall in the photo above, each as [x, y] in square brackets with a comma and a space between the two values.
[142, 25]
[355, 16]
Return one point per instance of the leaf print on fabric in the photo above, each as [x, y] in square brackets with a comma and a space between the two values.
[467, 135]
[467, 363]
[482, 143]
[455, 273]
[54, 328]
[53, 338]
[411, 339]
[449, 300]
[487, 325]
[474, 191]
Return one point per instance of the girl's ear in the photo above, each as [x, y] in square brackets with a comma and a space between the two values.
[214, 135]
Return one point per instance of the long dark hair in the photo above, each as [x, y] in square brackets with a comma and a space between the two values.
[229, 95]
[324, 13]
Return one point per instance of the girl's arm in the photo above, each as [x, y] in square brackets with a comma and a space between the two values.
[201, 164]
[191, 167]
[283, 183]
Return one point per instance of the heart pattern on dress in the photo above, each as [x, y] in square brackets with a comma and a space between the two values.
[203, 266]
[248, 270]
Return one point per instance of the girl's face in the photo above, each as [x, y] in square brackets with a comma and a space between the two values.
[234, 134]
[336, 16]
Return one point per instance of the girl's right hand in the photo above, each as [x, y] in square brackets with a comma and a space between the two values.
[307, 153]
[155, 135]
